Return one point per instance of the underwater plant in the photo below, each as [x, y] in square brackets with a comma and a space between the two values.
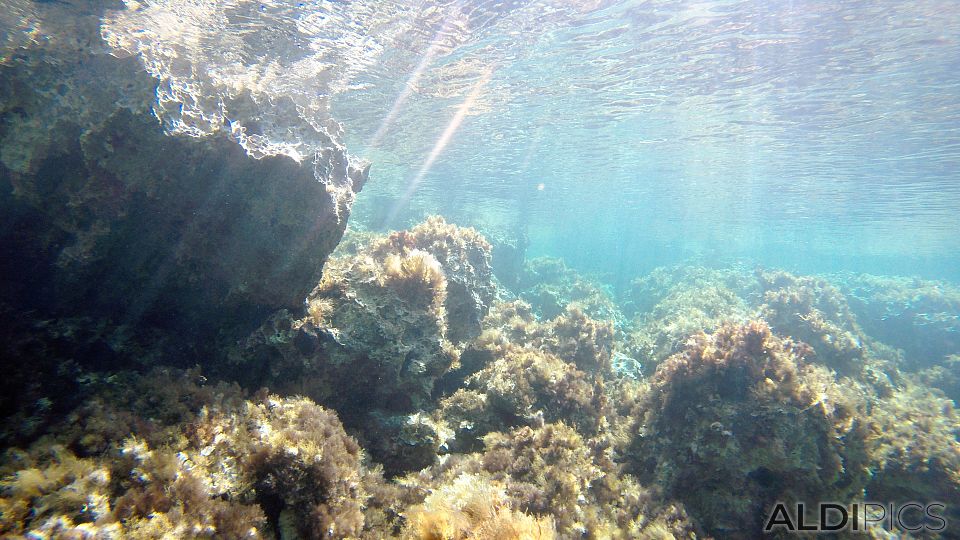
[739, 420]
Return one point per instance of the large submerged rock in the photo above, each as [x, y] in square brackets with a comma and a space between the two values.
[104, 213]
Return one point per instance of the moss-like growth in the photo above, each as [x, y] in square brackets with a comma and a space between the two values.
[646, 292]
[738, 421]
[386, 321]
[527, 387]
[143, 493]
[572, 336]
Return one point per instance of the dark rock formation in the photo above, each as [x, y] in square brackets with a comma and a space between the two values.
[105, 215]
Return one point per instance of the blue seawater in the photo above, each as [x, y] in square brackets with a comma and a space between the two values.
[625, 135]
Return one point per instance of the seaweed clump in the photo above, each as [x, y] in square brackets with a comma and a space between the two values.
[223, 467]
[814, 311]
[465, 256]
[738, 421]
[471, 508]
[523, 372]
[557, 476]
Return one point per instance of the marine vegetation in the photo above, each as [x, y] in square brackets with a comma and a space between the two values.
[414, 396]
[740, 420]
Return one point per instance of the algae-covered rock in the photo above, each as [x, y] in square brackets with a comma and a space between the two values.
[376, 324]
[380, 320]
[470, 507]
[523, 372]
[382, 326]
[549, 285]
[738, 421]
[165, 456]
[914, 449]
[945, 376]
[466, 257]
[814, 311]
[552, 475]
[922, 317]
[666, 317]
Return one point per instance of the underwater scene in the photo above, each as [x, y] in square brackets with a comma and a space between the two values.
[479, 269]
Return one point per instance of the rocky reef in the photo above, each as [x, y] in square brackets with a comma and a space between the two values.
[388, 319]
[669, 305]
[921, 317]
[410, 395]
[163, 455]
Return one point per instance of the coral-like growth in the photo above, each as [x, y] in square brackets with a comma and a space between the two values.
[738, 421]
[814, 311]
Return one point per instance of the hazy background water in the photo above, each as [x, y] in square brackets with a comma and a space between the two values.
[816, 136]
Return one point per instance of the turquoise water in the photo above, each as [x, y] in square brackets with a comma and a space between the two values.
[808, 135]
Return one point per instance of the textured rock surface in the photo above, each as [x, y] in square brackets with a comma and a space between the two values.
[105, 215]
[671, 304]
[814, 311]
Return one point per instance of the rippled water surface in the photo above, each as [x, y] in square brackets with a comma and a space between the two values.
[815, 135]
[787, 131]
